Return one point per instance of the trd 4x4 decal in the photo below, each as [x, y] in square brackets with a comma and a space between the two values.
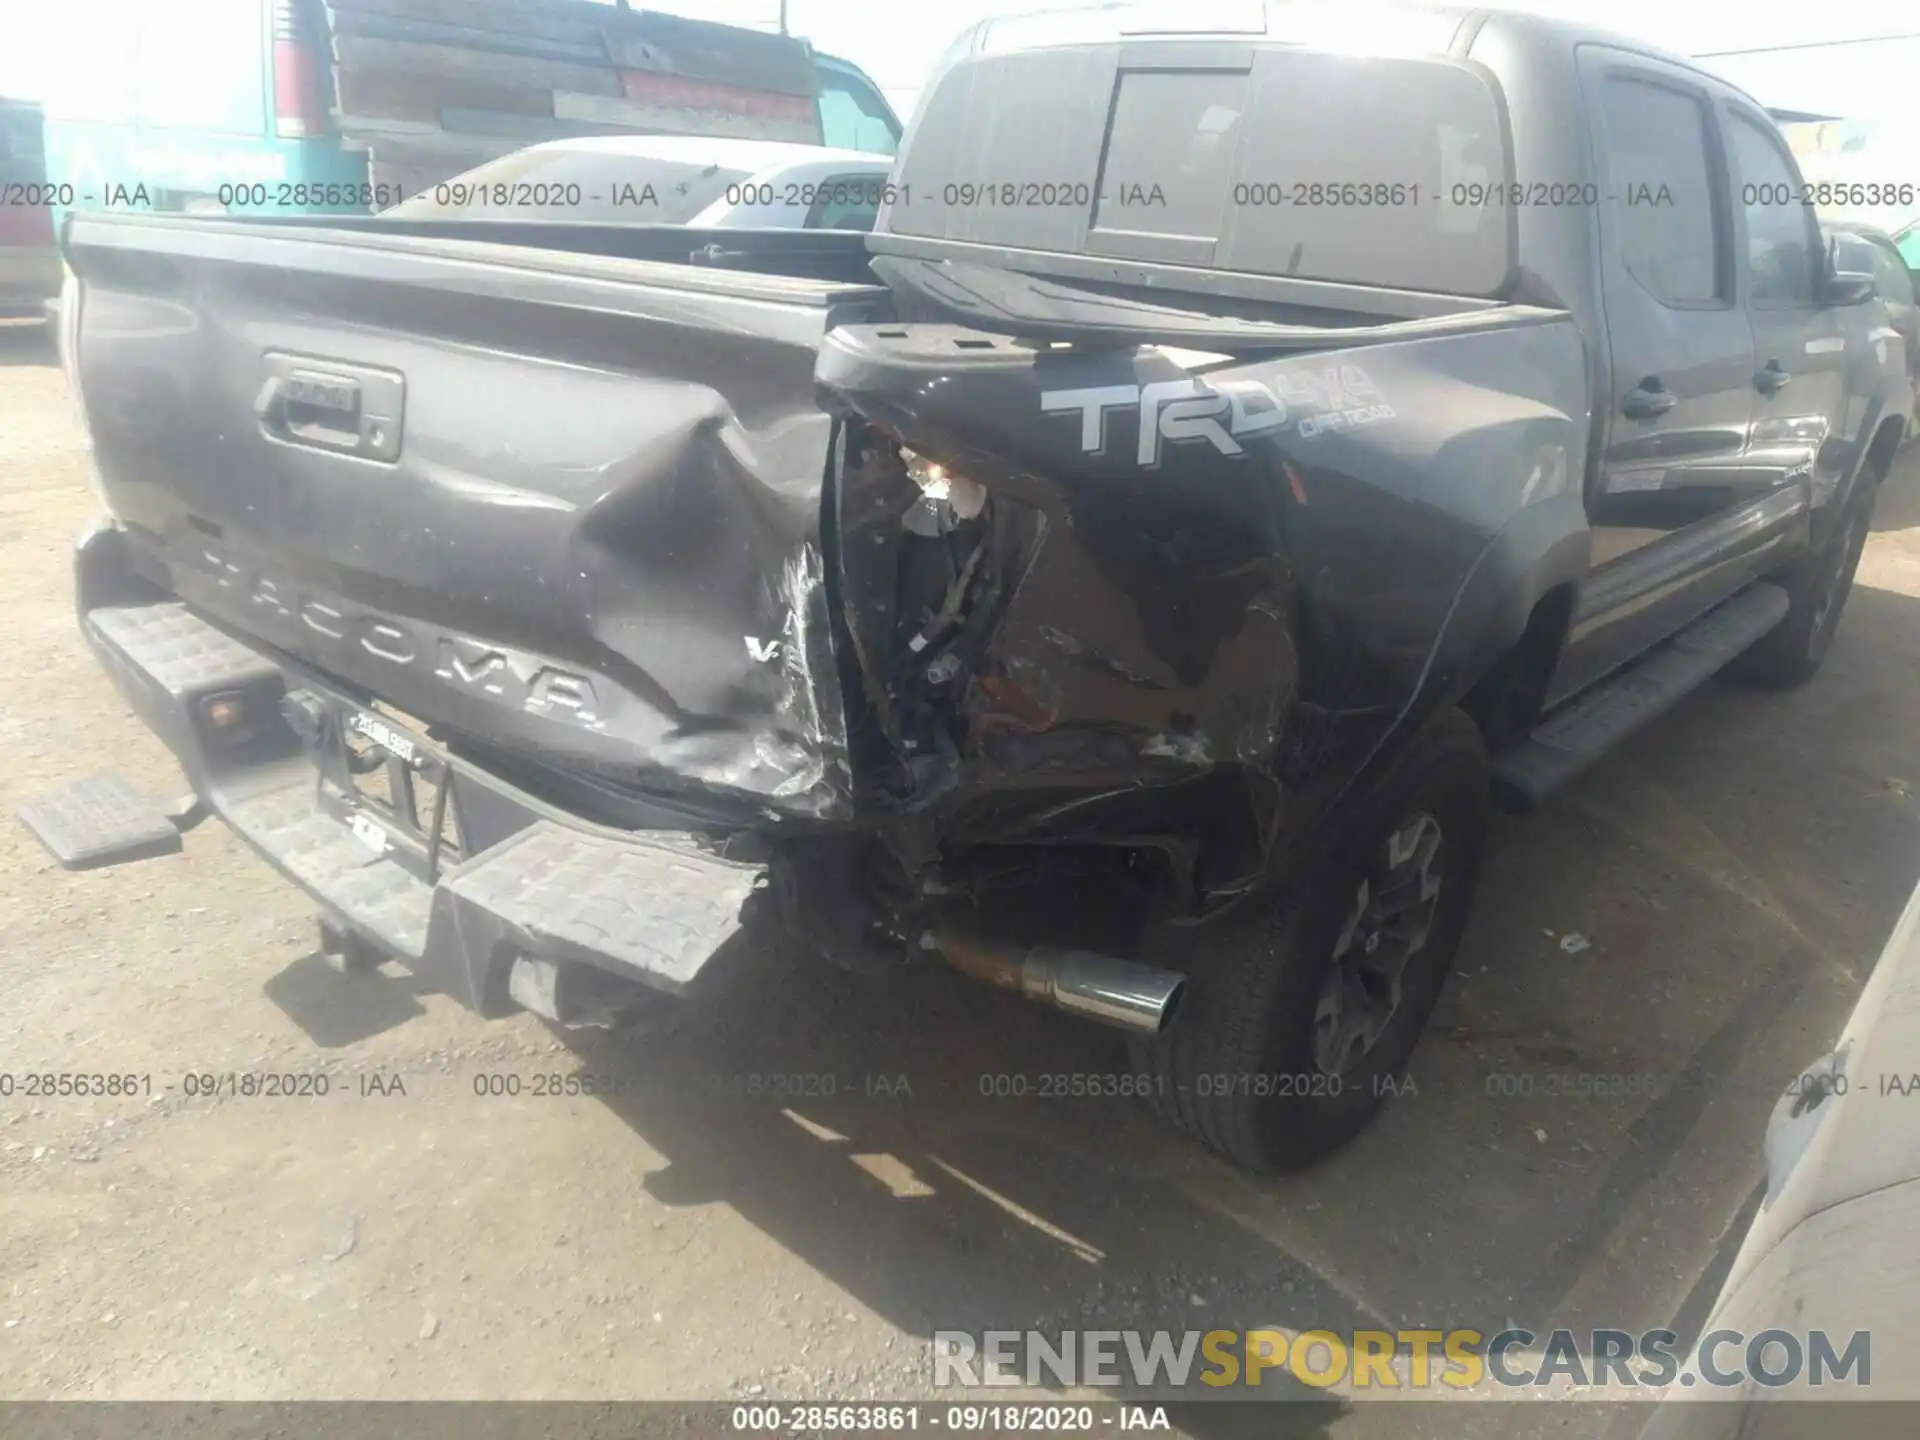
[1224, 412]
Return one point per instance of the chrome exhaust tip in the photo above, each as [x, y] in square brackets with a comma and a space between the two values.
[1102, 988]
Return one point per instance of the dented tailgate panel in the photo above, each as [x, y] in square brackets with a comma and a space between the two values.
[562, 504]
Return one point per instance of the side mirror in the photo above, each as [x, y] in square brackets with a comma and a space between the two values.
[1844, 289]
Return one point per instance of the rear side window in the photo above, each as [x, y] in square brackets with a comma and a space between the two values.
[1258, 159]
[1661, 190]
[1780, 228]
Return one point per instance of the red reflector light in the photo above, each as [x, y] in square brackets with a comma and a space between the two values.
[225, 712]
[298, 113]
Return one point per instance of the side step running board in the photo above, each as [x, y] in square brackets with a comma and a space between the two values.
[1573, 737]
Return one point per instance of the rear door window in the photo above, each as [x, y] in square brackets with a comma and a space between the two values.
[1661, 191]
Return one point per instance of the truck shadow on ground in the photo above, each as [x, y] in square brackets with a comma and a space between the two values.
[895, 1158]
[335, 1015]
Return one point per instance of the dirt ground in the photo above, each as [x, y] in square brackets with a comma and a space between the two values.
[1733, 873]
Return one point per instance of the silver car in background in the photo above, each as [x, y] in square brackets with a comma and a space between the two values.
[687, 180]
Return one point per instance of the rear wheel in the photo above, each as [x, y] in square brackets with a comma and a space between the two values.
[1298, 1020]
[1791, 652]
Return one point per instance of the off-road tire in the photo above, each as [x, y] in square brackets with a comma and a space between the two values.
[1791, 652]
[1238, 1067]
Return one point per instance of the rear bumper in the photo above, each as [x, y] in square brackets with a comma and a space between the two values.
[549, 895]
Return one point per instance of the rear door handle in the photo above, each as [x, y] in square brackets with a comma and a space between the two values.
[1649, 400]
[349, 409]
[1771, 379]
[310, 409]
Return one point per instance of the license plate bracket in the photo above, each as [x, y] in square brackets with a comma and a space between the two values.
[390, 786]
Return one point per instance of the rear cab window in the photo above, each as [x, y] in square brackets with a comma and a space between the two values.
[1219, 154]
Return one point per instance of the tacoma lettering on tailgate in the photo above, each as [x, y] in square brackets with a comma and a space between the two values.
[494, 673]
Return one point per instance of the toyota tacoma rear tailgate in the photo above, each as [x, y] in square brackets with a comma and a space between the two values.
[564, 504]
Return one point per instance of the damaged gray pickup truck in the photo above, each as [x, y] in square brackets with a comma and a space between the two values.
[1127, 575]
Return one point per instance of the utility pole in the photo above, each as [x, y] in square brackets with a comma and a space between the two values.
[783, 17]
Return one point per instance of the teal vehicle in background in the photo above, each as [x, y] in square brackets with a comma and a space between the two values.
[349, 106]
[181, 107]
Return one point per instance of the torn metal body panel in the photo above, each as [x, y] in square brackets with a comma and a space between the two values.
[1209, 588]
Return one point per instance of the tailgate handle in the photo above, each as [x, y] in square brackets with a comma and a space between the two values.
[348, 409]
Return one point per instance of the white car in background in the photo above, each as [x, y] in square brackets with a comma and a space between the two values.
[688, 180]
[1835, 1244]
